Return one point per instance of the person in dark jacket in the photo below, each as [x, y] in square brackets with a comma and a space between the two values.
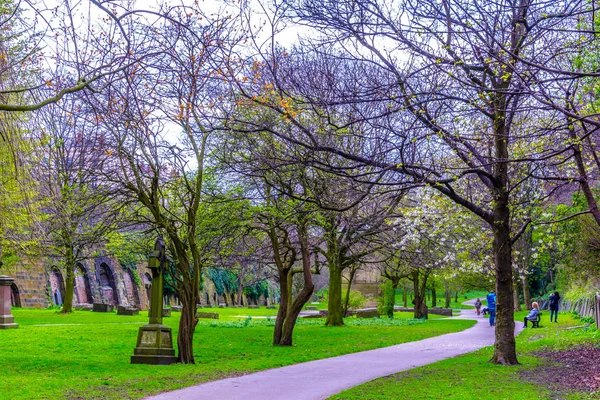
[554, 300]
[532, 316]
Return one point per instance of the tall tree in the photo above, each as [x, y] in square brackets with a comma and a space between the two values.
[437, 89]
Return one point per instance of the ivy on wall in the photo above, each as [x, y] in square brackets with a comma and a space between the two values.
[225, 281]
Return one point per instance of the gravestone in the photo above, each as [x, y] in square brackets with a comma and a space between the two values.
[155, 340]
[367, 313]
[7, 321]
[222, 305]
[83, 307]
[176, 308]
[166, 312]
[122, 310]
[312, 308]
[253, 306]
[101, 307]
[272, 307]
[211, 315]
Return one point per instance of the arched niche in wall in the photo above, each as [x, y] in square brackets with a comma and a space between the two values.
[131, 288]
[57, 286]
[148, 285]
[108, 285]
[15, 296]
[83, 289]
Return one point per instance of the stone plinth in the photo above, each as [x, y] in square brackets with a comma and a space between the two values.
[7, 321]
[211, 315]
[369, 313]
[121, 310]
[83, 307]
[154, 346]
[100, 307]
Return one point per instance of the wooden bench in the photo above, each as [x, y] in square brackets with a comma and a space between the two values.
[536, 323]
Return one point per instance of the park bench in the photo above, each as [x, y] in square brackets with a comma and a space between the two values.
[536, 323]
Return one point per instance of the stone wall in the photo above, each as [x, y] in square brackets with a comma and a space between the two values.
[100, 279]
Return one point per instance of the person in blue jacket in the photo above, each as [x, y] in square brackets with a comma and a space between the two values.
[491, 305]
[532, 316]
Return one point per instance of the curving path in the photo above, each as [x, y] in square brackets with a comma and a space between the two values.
[323, 378]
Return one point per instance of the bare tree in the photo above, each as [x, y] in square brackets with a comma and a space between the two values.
[438, 90]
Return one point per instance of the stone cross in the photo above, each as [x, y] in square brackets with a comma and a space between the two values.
[155, 341]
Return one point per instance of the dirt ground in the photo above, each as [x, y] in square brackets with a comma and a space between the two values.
[573, 370]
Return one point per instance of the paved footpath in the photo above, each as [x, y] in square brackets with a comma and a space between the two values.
[323, 378]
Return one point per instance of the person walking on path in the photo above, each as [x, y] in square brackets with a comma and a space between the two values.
[554, 300]
[478, 307]
[491, 303]
[532, 316]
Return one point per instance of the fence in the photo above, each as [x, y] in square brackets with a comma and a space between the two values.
[589, 307]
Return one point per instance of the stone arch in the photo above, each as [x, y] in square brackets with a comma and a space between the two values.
[15, 296]
[57, 286]
[148, 285]
[131, 290]
[83, 289]
[108, 284]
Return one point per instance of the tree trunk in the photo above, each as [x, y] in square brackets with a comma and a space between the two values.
[456, 296]
[347, 300]
[526, 294]
[433, 297]
[448, 298]
[517, 302]
[304, 296]
[404, 297]
[290, 283]
[504, 346]
[334, 305]
[187, 326]
[420, 310]
[240, 291]
[283, 308]
[69, 282]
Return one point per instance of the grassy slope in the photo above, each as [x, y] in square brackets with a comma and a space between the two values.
[471, 376]
[88, 357]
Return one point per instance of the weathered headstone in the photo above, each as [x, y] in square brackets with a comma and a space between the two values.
[166, 312]
[122, 310]
[312, 308]
[176, 308]
[211, 315]
[367, 313]
[254, 306]
[272, 307]
[7, 320]
[101, 307]
[222, 305]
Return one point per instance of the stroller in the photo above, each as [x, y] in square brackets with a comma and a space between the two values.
[485, 311]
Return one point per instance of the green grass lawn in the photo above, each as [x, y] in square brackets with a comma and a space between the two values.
[471, 376]
[86, 355]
